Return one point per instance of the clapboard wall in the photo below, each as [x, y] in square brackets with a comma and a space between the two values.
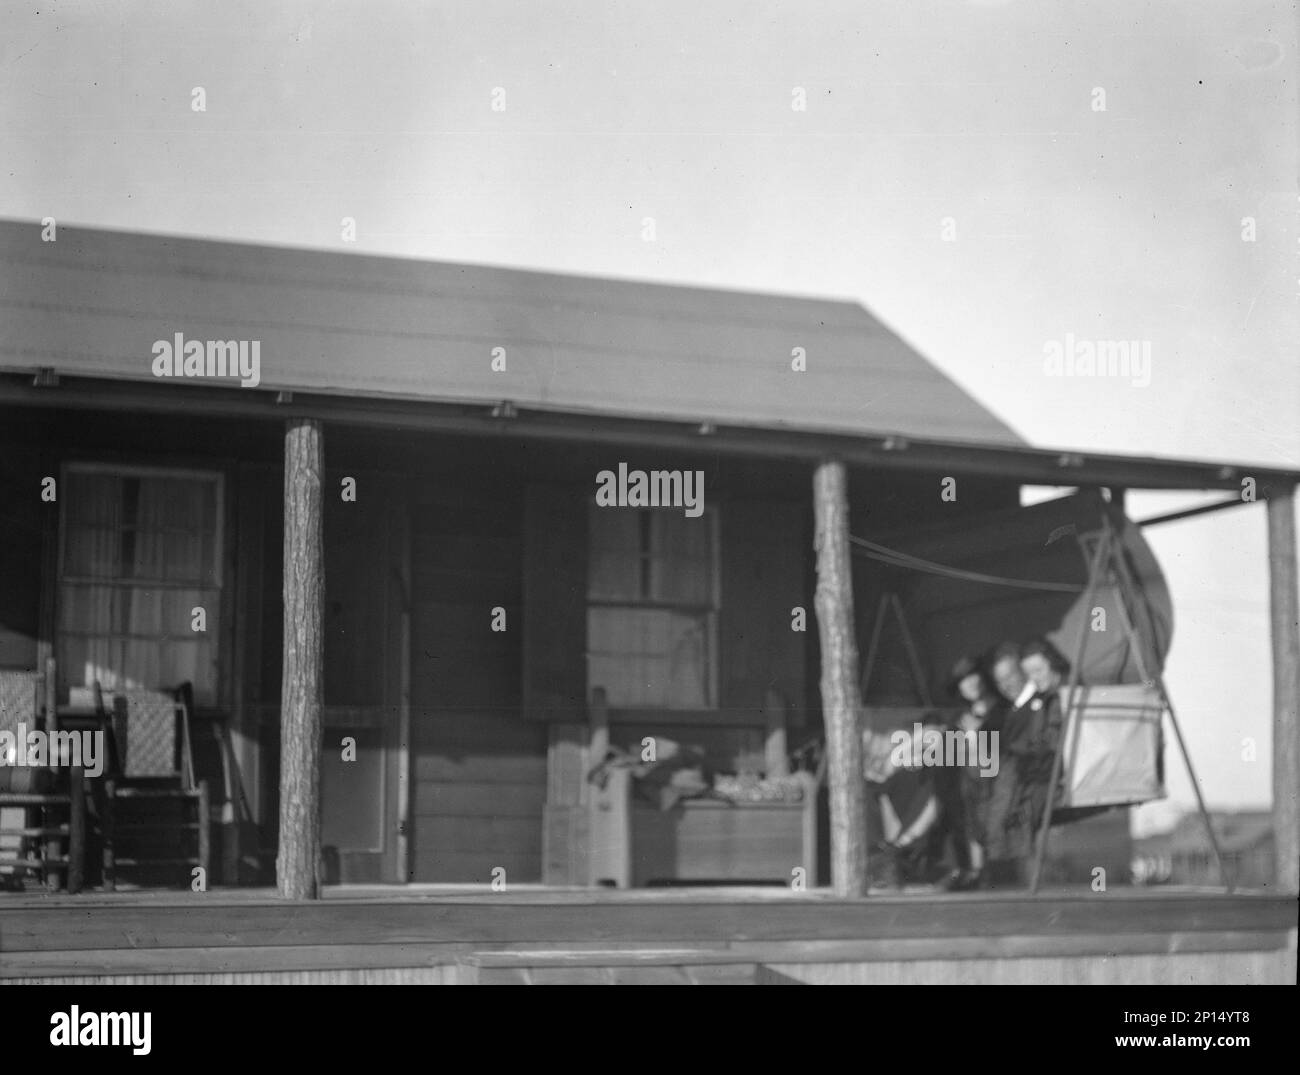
[479, 776]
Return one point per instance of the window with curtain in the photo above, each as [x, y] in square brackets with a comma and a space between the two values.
[652, 608]
[140, 551]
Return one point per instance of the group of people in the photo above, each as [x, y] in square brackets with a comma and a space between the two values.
[989, 822]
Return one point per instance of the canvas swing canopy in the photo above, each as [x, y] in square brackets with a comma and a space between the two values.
[1074, 570]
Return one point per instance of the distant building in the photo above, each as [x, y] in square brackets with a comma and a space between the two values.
[1184, 855]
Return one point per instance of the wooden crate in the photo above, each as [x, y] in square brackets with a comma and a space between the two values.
[707, 840]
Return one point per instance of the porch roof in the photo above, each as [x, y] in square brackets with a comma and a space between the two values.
[94, 302]
[387, 341]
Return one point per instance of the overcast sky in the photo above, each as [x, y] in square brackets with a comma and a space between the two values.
[951, 169]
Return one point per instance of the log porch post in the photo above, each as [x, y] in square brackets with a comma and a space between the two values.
[301, 687]
[839, 681]
[1284, 613]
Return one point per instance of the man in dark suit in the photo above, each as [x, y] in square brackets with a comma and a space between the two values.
[1004, 826]
[1032, 739]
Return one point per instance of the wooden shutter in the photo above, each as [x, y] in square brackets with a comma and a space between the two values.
[764, 551]
[22, 514]
[555, 603]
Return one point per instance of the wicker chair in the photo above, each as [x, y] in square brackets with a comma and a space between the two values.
[42, 810]
[154, 773]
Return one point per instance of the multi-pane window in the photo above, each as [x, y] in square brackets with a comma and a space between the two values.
[652, 608]
[140, 552]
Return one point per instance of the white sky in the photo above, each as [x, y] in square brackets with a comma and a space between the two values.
[1122, 224]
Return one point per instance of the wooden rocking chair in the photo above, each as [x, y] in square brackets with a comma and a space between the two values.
[154, 772]
[42, 810]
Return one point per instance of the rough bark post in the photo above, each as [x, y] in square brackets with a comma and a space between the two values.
[1284, 611]
[841, 702]
[301, 687]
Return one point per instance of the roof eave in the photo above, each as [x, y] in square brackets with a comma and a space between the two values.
[1024, 464]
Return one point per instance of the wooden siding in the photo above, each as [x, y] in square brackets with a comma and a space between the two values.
[1275, 967]
[555, 602]
[356, 579]
[479, 768]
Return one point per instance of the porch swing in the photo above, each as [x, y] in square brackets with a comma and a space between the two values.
[1110, 754]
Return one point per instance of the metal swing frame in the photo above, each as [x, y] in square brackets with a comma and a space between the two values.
[1106, 562]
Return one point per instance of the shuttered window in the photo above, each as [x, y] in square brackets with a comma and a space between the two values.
[652, 608]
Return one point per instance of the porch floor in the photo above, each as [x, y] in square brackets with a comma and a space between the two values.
[582, 894]
[467, 933]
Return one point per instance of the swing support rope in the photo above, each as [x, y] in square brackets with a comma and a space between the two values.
[894, 558]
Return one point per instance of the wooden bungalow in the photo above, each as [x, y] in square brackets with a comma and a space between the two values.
[377, 556]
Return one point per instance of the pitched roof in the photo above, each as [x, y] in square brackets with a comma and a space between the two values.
[94, 302]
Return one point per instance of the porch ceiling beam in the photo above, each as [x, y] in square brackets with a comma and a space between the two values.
[1187, 513]
[1035, 466]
